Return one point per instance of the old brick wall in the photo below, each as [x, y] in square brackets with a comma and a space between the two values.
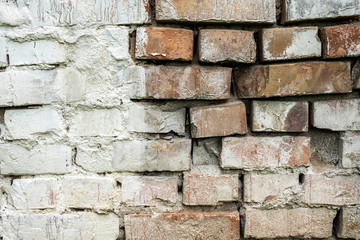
[179, 119]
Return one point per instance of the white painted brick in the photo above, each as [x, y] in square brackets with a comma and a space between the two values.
[70, 84]
[331, 115]
[17, 160]
[302, 10]
[36, 52]
[276, 116]
[117, 39]
[49, 13]
[95, 158]
[122, 11]
[88, 192]
[3, 60]
[147, 191]
[206, 151]
[25, 123]
[54, 226]
[147, 156]
[350, 151]
[290, 43]
[34, 193]
[261, 188]
[153, 120]
[11, 15]
[100, 122]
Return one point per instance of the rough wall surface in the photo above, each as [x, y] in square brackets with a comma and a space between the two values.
[179, 119]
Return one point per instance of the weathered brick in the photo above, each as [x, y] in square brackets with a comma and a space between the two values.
[3, 58]
[164, 43]
[183, 226]
[206, 151]
[276, 116]
[21, 88]
[36, 52]
[304, 10]
[147, 191]
[176, 82]
[341, 40]
[49, 13]
[217, 45]
[338, 190]
[25, 123]
[331, 114]
[293, 79]
[35, 193]
[199, 189]
[148, 156]
[218, 120]
[99, 122]
[260, 188]
[88, 192]
[290, 43]
[123, 11]
[49, 159]
[349, 223]
[153, 120]
[258, 11]
[264, 152]
[355, 74]
[298, 222]
[84, 225]
[350, 146]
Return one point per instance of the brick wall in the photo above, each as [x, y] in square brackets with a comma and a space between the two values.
[169, 119]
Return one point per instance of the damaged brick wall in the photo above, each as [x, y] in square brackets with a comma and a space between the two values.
[179, 119]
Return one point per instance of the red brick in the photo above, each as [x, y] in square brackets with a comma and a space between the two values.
[293, 79]
[349, 223]
[164, 43]
[183, 226]
[338, 190]
[265, 188]
[217, 45]
[282, 223]
[218, 120]
[210, 189]
[264, 152]
[341, 40]
[250, 11]
[176, 82]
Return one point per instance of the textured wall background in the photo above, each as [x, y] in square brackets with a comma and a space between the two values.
[179, 119]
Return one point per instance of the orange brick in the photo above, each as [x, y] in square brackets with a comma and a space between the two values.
[164, 43]
[218, 120]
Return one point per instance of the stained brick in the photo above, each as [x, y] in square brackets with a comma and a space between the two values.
[355, 74]
[122, 11]
[36, 193]
[183, 226]
[147, 191]
[276, 116]
[350, 155]
[42, 159]
[290, 43]
[293, 79]
[258, 11]
[218, 120]
[264, 188]
[264, 152]
[281, 223]
[85, 225]
[176, 82]
[36, 52]
[164, 43]
[338, 190]
[336, 115]
[217, 45]
[349, 223]
[210, 189]
[341, 40]
[88, 192]
[304, 10]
